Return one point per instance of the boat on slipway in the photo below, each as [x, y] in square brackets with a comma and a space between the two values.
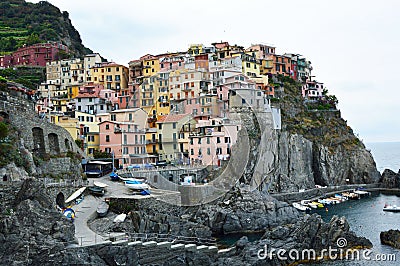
[102, 209]
[75, 195]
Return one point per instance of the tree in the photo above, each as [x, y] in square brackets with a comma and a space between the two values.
[79, 143]
[33, 39]
[101, 154]
[3, 130]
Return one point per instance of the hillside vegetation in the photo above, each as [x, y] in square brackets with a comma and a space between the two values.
[27, 23]
[319, 121]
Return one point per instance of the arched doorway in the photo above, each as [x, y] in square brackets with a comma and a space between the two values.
[60, 200]
[54, 146]
[39, 147]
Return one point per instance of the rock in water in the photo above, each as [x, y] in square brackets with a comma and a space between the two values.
[391, 238]
[390, 179]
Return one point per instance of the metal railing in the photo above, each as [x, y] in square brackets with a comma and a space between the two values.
[144, 237]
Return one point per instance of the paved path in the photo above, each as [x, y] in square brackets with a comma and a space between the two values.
[84, 211]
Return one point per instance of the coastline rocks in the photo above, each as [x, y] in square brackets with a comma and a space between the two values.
[310, 232]
[391, 238]
[390, 179]
[241, 210]
[30, 229]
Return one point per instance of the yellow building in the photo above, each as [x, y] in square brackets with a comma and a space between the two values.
[111, 75]
[151, 65]
[250, 65]
[266, 66]
[73, 91]
[195, 49]
[68, 123]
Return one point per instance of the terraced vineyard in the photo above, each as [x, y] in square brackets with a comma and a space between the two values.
[27, 23]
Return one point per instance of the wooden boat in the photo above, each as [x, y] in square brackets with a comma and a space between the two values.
[102, 209]
[300, 207]
[96, 191]
[391, 208]
[75, 195]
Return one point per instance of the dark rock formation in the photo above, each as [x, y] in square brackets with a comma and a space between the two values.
[391, 238]
[239, 211]
[390, 179]
[308, 233]
[29, 226]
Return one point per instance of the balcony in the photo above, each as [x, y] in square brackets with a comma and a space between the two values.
[151, 141]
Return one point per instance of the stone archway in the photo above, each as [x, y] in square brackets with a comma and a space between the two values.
[54, 146]
[39, 147]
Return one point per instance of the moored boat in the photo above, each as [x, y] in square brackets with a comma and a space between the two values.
[391, 208]
[318, 204]
[300, 207]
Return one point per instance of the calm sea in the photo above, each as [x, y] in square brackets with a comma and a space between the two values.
[365, 216]
[386, 155]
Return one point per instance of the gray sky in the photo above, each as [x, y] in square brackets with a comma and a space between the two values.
[351, 44]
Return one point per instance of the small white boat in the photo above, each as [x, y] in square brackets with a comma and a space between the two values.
[391, 208]
[361, 192]
[137, 186]
[300, 207]
[120, 218]
[99, 184]
[75, 194]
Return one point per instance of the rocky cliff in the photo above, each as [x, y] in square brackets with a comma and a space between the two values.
[314, 147]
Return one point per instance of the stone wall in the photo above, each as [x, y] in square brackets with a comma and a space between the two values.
[38, 137]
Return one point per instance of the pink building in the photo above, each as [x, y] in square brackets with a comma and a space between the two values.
[212, 142]
[36, 55]
[125, 140]
[172, 62]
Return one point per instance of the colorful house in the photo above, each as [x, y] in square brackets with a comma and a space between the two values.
[125, 140]
[168, 129]
[212, 141]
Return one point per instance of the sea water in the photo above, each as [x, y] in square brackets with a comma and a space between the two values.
[366, 216]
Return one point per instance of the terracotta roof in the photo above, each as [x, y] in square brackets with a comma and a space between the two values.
[171, 118]
[87, 95]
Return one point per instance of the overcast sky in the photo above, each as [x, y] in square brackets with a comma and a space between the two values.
[351, 44]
